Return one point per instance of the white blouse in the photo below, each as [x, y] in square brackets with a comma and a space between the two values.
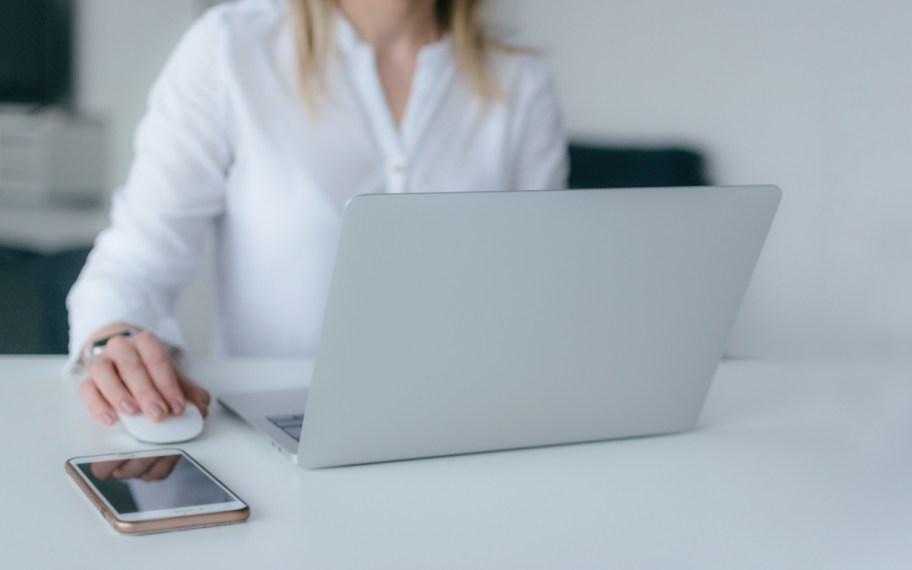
[227, 146]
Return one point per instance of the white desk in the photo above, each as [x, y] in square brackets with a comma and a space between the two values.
[794, 466]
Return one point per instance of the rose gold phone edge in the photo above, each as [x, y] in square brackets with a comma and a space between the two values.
[165, 524]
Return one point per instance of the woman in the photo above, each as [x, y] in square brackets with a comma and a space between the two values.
[268, 117]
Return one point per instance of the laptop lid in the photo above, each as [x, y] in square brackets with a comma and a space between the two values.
[467, 322]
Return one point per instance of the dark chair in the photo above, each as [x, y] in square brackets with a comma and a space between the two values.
[33, 288]
[615, 166]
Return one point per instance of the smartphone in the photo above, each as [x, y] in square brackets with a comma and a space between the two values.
[157, 490]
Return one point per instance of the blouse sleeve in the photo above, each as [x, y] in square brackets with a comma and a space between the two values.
[540, 140]
[174, 191]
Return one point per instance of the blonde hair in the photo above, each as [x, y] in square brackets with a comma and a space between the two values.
[313, 31]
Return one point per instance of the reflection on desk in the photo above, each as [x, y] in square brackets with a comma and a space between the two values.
[794, 465]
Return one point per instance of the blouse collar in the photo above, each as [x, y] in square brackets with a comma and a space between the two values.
[349, 42]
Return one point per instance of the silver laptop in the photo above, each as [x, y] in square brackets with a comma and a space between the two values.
[467, 322]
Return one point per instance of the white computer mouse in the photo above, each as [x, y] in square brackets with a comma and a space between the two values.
[173, 429]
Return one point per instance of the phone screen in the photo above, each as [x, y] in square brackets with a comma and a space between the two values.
[144, 484]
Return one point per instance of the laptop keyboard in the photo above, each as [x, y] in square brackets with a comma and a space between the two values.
[290, 424]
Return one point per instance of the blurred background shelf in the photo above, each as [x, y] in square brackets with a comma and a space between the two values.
[41, 254]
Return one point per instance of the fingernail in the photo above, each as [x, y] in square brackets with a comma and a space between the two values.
[176, 407]
[108, 418]
[156, 410]
[129, 407]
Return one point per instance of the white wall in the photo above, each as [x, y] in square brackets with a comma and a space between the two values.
[813, 95]
[121, 47]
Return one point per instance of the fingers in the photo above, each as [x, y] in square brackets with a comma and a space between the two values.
[134, 468]
[195, 393]
[145, 468]
[134, 375]
[161, 468]
[104, 469]
[96, 403]
[161, 371]
[103, 375]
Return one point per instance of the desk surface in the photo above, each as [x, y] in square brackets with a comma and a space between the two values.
[793, 466]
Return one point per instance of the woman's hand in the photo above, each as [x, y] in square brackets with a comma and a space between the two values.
[135, 374]
[145, 468]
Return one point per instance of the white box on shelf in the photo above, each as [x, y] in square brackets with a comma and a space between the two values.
[51, 158]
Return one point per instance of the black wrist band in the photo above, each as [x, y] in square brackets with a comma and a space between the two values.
[95, 349]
